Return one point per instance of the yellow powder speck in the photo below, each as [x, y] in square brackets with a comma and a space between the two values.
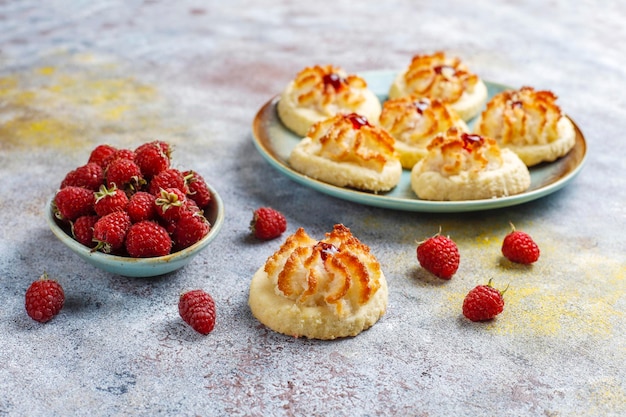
[46, 70]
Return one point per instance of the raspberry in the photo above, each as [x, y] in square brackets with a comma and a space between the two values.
[198, 189]
[109, 200]
[483, 303]
[439, 255]
[110, 231]
[101, 153]
[118, 154]
[267, 223]
[148, 239]
[152, 158]
[519, 247]
[124, 174]
[72, 202]
[197, 309]
[170, 178]
[88, 176]
[82, 230]
[170, 204]
[190, 228]
[141, 207]
[44, 299]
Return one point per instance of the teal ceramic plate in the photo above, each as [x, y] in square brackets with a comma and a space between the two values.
[275, 142]
[141, 267]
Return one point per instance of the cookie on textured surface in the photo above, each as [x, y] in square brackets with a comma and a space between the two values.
[323, 289]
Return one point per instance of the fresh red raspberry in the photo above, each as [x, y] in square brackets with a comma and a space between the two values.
[170, 178]
[170, 204]
[124, 174]
[44, 299]
[198, 189]
[72, 202]
[439, 255]
[148, 239]
[267, 223]
[109, 232]
[190, 228]
[519, 247]
[101, 153]
[197, 309]
[483, 303]
[118, 154]
[109, 200]
[82, 230]
[88, 176]
[141, 207]
[152, 158]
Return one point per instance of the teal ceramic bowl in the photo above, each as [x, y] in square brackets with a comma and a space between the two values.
[141, 267]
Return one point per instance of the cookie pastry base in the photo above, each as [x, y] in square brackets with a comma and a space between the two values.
[314, 322]
[512, 178]
[304, 159]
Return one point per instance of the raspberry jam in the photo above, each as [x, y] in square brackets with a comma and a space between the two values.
[470, 139]
[326, 249]
[421, 106]
[357, 120]
[517, 104]
[334, 80]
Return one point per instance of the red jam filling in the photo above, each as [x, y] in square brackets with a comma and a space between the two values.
[334, 80]
[326, 249]
[469, 139]
[421, 106]
[357, 120]
[439, 69]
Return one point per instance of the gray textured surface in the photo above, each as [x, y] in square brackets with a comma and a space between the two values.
[75, 74]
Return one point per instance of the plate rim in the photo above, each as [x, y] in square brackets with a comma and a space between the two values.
[261, 139]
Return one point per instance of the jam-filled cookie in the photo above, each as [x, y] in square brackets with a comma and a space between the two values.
[444, 78]
[530, 123]
[414, 122]
[347, 151]
[320, 289]
[320, 92]
[464, 166]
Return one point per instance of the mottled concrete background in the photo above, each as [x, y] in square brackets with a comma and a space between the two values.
[74, 74]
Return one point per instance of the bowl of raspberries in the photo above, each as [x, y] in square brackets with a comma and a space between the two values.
[131, 213]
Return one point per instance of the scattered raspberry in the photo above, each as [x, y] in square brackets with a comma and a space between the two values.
[170, 204]
[190, 228]
[124, 174]
[152, 158]
[170, 178]
[141, 207]
[44, 299]
[197, 309]
[82, 230]
[102, 153]
[439, 255]
[72, 202]
[267, 223]
[148, 239]
[88, 176]
[109, 200]
[110, 231]
[198, 189]
[483, 303]
[520, 247]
